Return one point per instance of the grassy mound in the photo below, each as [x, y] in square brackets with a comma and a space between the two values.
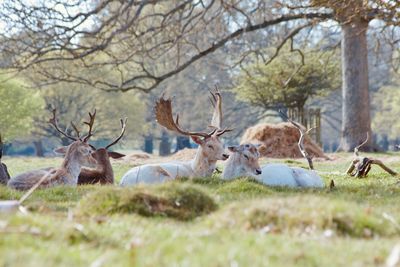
[305, 215]
[247, 186]
[175, 200]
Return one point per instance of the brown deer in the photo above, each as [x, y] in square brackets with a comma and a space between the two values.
[4, 175]
[210, 149]
[103, 173]
[77, 154]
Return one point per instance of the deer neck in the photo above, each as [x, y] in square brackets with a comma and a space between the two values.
[201, 165]
[72, 168]
[233, 168]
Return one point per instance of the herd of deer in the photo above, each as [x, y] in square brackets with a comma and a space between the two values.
[85, 164]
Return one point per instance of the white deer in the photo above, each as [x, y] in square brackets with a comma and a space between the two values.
[244, 162]
[209, 151]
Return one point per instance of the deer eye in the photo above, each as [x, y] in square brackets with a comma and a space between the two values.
[246, 157]
[210, 146]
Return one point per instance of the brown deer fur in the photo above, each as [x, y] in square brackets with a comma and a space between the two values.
[4, 175]
[77, 154]
[103, 173]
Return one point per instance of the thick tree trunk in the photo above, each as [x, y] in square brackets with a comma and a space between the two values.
[356, 105]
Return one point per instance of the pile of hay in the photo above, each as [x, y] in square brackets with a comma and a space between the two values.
[184, 154]
[280, 141]
[173, 200]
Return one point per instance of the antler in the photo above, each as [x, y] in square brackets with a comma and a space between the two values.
[90, 124]
[301, 139]
[53, 121]
[216, 102]
[163, 110]
[216, 121]
[123, 128]
[360, 145]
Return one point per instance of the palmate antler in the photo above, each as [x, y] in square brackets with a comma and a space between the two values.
[164, 117]
[216, 102]
[216, 121]
[303, 134]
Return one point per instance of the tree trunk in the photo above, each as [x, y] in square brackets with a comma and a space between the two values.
[182, 142]
[39, 148]
[148, 144]
[165, 145]
[356, 106]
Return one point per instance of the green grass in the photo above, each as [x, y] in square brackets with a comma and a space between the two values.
[205, 222]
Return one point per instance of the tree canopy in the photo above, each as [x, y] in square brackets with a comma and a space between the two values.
[18, 107]
[289, 80]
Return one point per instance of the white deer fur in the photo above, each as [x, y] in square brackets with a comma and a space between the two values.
[244, 162]
[209, 151]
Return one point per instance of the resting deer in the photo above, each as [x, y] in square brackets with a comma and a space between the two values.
[244, 162]
[4, 175]
[210, 149]
[77, 154]
[103, 173]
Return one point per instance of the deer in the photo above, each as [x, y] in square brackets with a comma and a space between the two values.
[103, 172]
[77, 154]
[210, 148]
[4, 175]
[244, 162]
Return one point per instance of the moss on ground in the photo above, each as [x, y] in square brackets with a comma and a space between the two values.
[174, 200]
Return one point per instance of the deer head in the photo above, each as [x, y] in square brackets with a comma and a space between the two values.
[211, 146]
[246, 156]
[101, 154]
[79, 149]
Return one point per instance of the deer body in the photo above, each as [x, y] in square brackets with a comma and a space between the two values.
[77, 154]
[4, 175]
[209, 151]
[103, 172]
[244, 162]
[202, 165]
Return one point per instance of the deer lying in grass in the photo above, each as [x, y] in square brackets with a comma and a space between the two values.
[4, 175]
[360, 166]
[103, 172]
[209, 151]
[244, 162]
[77, 154]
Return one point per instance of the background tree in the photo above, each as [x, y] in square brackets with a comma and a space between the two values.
[148, 42]
[73, 104]
[18, 107]
[289, 81]
[386, 111]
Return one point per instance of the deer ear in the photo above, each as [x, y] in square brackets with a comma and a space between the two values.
[233, 148]
[115, 155]
[262, 149]
[62, 150]
[197, 139]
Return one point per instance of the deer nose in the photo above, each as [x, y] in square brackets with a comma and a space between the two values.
[225, 156]
[258, 172]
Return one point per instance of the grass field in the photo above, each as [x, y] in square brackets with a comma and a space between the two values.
[205, 222]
